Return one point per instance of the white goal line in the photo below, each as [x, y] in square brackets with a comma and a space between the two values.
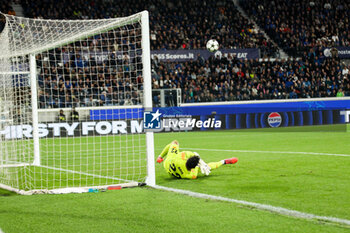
[270, 152]
[14, 165]
[264, 207]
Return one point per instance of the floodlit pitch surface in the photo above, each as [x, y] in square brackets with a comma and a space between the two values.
[315, 180]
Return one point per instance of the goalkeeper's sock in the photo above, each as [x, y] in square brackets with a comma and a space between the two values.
[230, 161]
[214, 165]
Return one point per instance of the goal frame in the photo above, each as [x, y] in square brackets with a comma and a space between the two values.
[147, 102]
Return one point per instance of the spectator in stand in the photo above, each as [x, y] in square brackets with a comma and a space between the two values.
[74, 115]
[61, 116]
[5, 7]
[340, 93]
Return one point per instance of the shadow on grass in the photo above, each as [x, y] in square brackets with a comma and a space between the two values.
[6, 193]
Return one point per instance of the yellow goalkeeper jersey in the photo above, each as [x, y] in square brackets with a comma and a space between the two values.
[175, 163]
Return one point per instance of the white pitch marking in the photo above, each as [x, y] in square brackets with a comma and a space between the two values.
[271, 152]
[83, 173]
[1, 231]
[270, 208]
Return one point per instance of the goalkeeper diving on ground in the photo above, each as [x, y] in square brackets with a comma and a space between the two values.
[186, 164]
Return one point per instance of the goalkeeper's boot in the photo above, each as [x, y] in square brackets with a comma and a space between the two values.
[231, 161]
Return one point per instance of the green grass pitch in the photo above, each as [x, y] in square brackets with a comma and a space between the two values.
[313, 183]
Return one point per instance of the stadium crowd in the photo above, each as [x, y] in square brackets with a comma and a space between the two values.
[230, 79]
[180, 24]
[215, 79]
[87, 82]
[299, 25]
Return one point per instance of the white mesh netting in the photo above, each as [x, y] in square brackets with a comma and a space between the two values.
[89, 85]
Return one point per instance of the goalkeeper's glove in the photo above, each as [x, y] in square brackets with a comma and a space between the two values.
[159, 159]
[205, 169]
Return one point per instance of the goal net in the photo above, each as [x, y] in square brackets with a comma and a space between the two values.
[72, 98]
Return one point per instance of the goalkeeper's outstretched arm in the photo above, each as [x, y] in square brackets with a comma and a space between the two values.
[165, 151]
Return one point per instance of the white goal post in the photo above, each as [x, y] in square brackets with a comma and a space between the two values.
[98, 68]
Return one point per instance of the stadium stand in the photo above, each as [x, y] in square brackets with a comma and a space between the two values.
[299, 26]
[222, 79]
[174, 24]
[180, 26]
[6, 8]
